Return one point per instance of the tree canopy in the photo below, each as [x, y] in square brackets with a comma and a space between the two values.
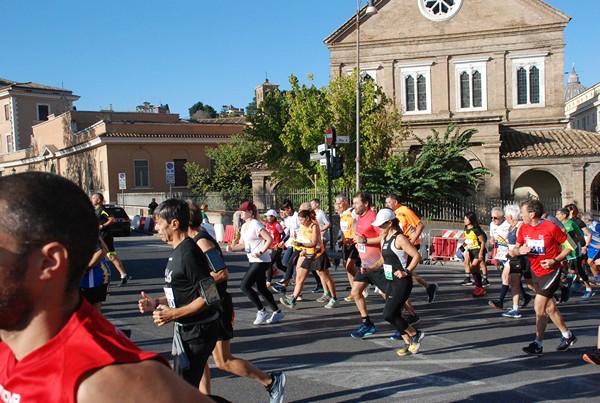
[201, 111]
[436, 170]
[288, 126]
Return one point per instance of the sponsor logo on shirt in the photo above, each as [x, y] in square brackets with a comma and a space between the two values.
[8, 396]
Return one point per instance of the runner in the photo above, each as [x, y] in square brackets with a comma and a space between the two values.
[55, 346]
[348, 220]
[541, 241]
[190, 297]
[255, 240]
[276, 231]
[313, 257]
[105, 221]
[397, 251]
[475, 251]
[513, 267]
[593, 246]
[574, 261]
[412, 227]
[367, 241]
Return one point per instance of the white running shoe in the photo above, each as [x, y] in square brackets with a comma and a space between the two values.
[261, 316]
[275, 317]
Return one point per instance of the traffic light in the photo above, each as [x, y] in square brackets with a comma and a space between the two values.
[337, 167]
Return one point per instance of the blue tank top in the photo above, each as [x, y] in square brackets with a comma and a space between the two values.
[97, 275]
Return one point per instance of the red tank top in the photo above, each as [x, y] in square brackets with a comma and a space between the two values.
[51, 372]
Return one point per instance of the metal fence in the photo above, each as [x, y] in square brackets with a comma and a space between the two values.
[435, 210]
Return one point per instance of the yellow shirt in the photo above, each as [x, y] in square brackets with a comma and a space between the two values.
[347, 224]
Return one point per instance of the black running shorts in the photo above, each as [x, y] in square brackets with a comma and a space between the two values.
[547, 284]
[373, 277]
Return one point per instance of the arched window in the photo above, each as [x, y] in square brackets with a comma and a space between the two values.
[410, 93]
[416, 88]
[528, 81]
[471, 84]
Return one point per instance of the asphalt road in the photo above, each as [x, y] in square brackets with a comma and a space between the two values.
[469, 353]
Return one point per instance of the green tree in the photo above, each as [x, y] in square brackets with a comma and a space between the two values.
[439, 171]
[206, 111]
[230, 174]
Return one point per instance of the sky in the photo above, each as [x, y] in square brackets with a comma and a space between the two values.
[125, 52]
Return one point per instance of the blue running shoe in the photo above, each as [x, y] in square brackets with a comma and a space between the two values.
[363, 331]
[276, 389]
[396, 336]
[513, 313]
[588, 295]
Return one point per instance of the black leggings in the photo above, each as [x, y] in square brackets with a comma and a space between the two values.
[576, 265]
[256, 274]
[276, 263]
[397, 292]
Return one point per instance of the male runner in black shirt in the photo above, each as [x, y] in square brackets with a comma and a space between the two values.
[186, 300]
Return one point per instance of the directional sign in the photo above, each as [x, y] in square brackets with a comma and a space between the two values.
[317, 156]
[122, 181]
[343, 139]
[321, 148]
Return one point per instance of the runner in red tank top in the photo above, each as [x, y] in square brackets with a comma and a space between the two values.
[56, 347]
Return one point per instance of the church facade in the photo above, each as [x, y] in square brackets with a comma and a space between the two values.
[497, 67]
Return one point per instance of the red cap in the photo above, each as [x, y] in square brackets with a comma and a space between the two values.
[247, 206]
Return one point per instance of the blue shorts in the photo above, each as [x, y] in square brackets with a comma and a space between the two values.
[592, 252]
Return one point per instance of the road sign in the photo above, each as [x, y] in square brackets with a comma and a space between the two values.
[330, 136]
[171, 179]
[343, 139]
[321, 148]
[170, 165]
[122, 181]
[317, 156]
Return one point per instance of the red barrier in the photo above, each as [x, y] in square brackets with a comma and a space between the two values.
[443, 248]
[229, 234]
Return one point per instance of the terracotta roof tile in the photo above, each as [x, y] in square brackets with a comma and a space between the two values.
[9, 83]
[171, 135]
[549, 143]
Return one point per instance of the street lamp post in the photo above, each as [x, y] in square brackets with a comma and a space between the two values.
[369, 11]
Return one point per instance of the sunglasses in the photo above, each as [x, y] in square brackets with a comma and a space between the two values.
[495, 218]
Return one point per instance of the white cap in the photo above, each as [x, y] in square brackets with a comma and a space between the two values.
[384, 215]
[271, 212]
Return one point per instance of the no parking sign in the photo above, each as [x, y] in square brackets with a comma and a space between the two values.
[170, 171]
[122, 181]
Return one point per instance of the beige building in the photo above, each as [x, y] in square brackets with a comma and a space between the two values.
[93, 148]
[496, 66]
[23, 105]
[582, 105]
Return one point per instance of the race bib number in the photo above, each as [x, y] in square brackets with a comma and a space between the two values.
[536, 246]
[469, 242]
[361, 247]
[387, 270]
[170, 297]
[501, 253]
[344, 226]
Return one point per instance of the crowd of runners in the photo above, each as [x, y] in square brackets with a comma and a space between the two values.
[544, 258]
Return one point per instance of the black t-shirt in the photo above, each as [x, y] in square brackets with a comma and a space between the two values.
[185, 269]
[102, 216]
[579, 222]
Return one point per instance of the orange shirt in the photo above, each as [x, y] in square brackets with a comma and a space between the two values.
[408, 221]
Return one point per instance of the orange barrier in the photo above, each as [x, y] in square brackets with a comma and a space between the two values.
[229, 234]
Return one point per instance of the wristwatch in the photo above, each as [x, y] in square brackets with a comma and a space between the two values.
[364, 240]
